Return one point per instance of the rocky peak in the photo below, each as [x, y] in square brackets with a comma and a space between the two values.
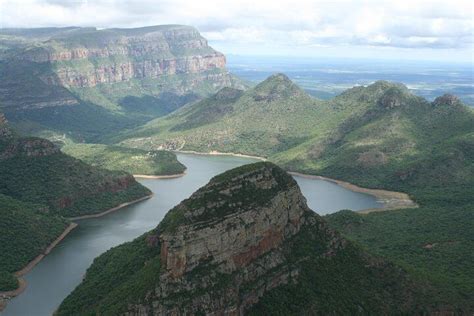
[276, 87]
[446, 99]
[5, 131]
[232, 192]
[29, 147]
[3, 119]
[235, 224]
[391, 98]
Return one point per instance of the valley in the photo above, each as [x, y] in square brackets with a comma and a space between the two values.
[62, 270]
[330, 189]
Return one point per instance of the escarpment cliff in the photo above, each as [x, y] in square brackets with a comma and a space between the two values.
[246, 243]
[90, 57]
[122, 76]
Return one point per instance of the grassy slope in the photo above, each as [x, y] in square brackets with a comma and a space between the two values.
[349, 281]
[27, 229]
[134, 161]
[274, 116]
[379, 136]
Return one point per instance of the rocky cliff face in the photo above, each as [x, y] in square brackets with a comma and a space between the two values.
[87, 82]
[231, 237]
[29, 147]
[246, 243]
[108, 56]
[5, 132]
[446, 99]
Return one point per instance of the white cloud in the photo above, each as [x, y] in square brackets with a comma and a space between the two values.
[291, 23]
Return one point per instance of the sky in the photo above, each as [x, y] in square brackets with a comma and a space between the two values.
[412, 30]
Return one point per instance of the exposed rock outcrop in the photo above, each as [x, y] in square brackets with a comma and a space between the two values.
[226, 236]
[5, 131]
[79, 80]
[31, 147]
[446, 99]
[115, 55]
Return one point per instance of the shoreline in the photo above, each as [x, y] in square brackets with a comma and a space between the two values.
[390, 200]
[113, 209]
[20, 273]
[5, 296]
[218, 153]
[165, 176]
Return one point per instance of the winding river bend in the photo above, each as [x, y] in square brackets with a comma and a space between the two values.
[62, 270]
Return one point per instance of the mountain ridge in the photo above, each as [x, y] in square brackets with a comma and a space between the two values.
[40, 187]
[380, 137]
[218, 252]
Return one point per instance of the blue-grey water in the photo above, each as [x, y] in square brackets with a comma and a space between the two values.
[62, 270]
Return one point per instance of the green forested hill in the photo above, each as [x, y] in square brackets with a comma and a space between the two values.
[33, 170]
[131, 160]
[272, 117]
[39, 186]
[27, 229]
[308, 270]
[379, 136]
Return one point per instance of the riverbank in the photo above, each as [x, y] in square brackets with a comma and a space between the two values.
[218, 153]
[110, 210]
[169, 176]
[4, 296]
[390, 199]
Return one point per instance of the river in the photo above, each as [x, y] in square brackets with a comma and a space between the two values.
[62, 270]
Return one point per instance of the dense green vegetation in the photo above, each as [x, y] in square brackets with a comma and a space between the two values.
[273, 116]
[433, 243]
[39, 187]
[120, 276]
[68, 186]
[380, 136]
[335, 276]
[134, 161]
[347, 283]
[27, 229]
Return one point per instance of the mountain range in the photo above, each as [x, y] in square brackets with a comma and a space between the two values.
[246, 243]
[378, 136]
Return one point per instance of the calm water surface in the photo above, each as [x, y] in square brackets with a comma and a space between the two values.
[62, 270]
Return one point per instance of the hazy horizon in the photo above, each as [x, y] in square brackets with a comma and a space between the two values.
[415, 30]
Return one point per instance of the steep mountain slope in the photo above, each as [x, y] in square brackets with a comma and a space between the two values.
[398, 140]
[379, 136]
[39, 187]
[270, 118]
[246, 243]
[34, 170]
[27, 229]
[85, 82]
[131, 160]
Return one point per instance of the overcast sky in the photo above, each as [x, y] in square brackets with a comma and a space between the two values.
[415, 29]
